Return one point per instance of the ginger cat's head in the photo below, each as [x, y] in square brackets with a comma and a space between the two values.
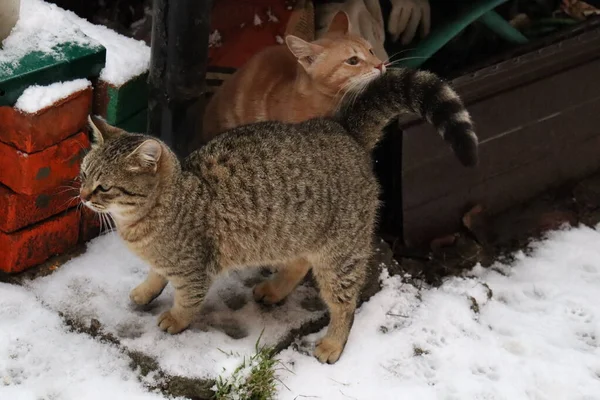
[338, 62]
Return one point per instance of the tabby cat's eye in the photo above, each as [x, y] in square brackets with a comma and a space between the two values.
[371, 51]
[101, 188]
[352, 60]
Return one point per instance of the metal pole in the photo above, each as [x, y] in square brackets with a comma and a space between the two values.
[179, 57]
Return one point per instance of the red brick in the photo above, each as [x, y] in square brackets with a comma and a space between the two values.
[90, 225]
[19, 210]
[38, 172]
[31, 133]
[36, 243]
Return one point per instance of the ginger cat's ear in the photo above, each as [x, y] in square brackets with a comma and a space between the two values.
[340, 23]
[305, 52]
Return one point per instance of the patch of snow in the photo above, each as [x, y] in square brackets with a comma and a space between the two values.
[42, 26]
[36, 98]
[536, 337]
[97, 285]
[271, 16]
[41, 359]
[214, 39]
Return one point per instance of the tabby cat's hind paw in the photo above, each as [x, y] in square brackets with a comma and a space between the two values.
[265, 293]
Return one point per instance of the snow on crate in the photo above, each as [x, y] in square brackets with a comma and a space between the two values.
[36, 98]
[97, 285]
[41, 359]
[126, 58]
[528, 330]
[43, 26]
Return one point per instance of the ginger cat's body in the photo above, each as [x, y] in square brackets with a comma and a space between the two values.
[294, 82]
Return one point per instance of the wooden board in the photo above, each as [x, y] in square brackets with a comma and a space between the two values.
[533, 136]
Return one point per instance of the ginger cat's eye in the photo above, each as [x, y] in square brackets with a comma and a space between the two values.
[352, 60]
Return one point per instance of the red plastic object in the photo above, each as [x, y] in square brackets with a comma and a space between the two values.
[36, 243]
[31, 133]
[20, 210]
[38, 172]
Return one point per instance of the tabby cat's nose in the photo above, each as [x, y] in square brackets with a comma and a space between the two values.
[85, 194]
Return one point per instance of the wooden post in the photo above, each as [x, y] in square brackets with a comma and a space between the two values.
[178, 63]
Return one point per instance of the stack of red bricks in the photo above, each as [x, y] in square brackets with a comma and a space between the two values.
[40, 156]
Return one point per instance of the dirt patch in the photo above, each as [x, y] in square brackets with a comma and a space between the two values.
[170, 385]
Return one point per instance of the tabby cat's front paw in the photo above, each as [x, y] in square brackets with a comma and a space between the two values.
[141, 296]
[168, 323]
[328, 350]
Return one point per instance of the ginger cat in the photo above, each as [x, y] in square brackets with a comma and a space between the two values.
[294, 82]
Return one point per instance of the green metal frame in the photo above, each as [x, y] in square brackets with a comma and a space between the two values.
[69, 61]
[483, 11]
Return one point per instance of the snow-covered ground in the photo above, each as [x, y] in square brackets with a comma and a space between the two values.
[525, 330]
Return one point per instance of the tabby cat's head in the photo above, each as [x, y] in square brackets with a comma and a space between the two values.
[339, 62]
[121, 174]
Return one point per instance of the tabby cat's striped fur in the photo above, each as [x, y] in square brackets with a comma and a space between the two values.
[300, 196]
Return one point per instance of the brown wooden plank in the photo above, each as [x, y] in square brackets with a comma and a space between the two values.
[503, 155]
[500, 115]
[443, 214]
[532, 137]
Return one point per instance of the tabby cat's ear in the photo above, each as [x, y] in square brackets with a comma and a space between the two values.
[147, 154]
[101, 131]
[305, 52]
[340, 23]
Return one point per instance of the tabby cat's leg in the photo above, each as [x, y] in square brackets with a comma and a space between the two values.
[189, 295]
[148, 290]
[288, 276]
[340, 286]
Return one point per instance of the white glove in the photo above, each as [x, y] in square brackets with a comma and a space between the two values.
[405, 18]
[365, 18]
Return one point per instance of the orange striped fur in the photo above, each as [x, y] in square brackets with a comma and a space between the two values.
[295, 81]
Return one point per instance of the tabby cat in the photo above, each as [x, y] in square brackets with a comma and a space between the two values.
[302, 196]
[294, 83]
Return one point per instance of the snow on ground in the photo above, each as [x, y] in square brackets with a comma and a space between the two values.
[528, 329]
[42, 26]
[36, 98]
[40, 359]
[537, 337]
[97, 285]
